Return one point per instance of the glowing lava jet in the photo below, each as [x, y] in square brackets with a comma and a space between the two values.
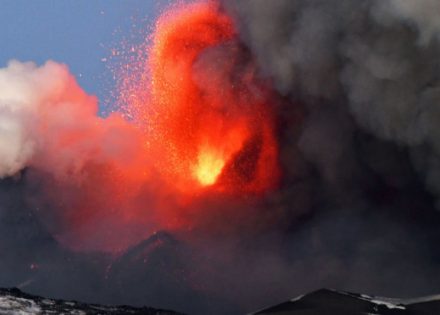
[207, 120]
[201, 132]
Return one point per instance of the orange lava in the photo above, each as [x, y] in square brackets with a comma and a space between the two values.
[201, 134]
[207, 120]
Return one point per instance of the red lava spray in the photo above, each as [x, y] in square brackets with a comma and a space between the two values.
[202, 123]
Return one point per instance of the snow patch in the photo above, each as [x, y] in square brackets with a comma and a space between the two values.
[388, 304]
[10, 305]
[297, 298]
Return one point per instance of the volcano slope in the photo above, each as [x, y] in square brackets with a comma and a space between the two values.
[330, 302]
[15, 302]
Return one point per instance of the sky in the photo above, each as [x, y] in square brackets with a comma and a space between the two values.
[79, 33]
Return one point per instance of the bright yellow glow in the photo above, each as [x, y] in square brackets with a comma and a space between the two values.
[209, 166]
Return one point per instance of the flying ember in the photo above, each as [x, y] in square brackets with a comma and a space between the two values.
[201, 130]
[207, 118]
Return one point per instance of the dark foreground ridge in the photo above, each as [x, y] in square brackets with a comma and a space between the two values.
[322, 302]
[15, 302]
[331, 302]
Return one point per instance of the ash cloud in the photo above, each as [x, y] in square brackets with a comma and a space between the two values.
[368, 67]
[364, 79]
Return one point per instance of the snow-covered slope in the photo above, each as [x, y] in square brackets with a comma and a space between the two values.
[15, 302]
[332, 302]
[322, 302]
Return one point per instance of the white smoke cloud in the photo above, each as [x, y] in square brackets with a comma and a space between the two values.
[16, 145]
[47, 121]
[23, 89]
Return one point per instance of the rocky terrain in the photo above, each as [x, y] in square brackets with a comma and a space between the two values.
[15, 302]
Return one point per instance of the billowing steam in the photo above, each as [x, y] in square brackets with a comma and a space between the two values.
[50, 123]
[265, 148]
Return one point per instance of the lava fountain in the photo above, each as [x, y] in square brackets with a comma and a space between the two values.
[207, 118]
[201, 130]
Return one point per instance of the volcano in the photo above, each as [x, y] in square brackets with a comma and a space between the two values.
[249, 151]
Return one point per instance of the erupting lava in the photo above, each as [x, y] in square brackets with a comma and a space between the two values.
[208, 168]
[201, 132]
[206, 118]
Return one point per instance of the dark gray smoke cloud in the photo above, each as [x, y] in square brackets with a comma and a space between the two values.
[358, 92]
[362, 179]
[373, 65]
